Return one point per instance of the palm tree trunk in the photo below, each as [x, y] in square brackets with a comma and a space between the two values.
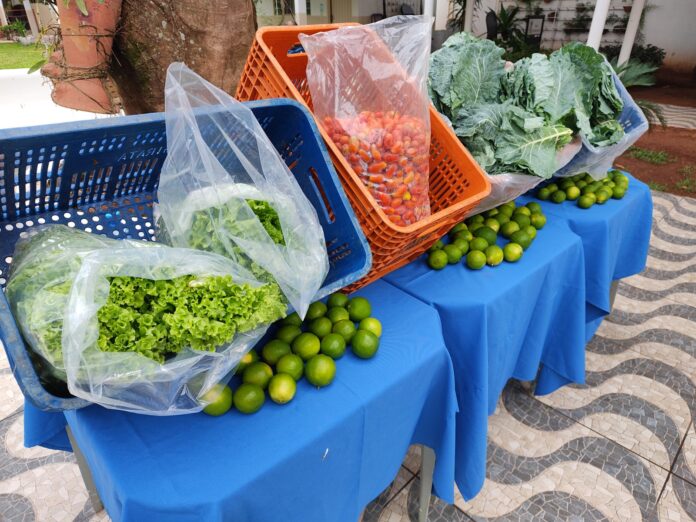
[212, 38]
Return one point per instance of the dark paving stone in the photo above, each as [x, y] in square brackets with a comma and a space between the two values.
[606, 346]
[686, 495]
[640, 294]
[603, 454]
[374, 509]
[674, 257]
[630, 318]
[16, 508]
[658, 232]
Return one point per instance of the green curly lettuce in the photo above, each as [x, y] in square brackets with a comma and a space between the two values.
[158, 319]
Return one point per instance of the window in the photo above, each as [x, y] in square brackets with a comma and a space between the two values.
[277, 7]
[309, 7]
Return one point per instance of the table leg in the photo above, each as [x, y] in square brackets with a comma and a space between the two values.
[426, 482]
[86, 473]
[612, 293]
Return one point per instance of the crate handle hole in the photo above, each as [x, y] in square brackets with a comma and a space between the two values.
[319, 189]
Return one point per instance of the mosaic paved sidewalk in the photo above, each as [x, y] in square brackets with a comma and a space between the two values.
[621, 448]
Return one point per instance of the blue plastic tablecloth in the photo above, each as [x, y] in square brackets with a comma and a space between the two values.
[322, 457]
[503, 322]
[615, 237]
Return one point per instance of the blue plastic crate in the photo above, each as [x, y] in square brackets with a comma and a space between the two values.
[101, 176]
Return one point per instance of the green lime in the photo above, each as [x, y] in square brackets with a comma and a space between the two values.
[293, 319]
[292, 365]
[509, 228]
[364, 344]
[543, 194]
[337, 314]
[371, 324]
[258, 373]
[491, 213]
[522, 238]
[437, 246]
[458, 228]
[493, 224]
[585, 201]
[558, 197]
[345, 329]
[620, 178]
[509, 204]
[437, 260]
[534, 207]
[581, 184]
[618, 192]
[531, 232]
[218, 400]
[321, 326]
[525, 211]
[488, 234]
[603, 196]
[494, 255]
[476, 219]
[359, 308]
[462, 245]
[512, 252]
[333, 345]
[476, 259]
[592, 196]
[572, 193]
[523, 220]
[538, 221]
[454, 255]
[566, 184]
[282, 388]
[502, 219]
[552, 187]
[320, 370]
[506, 211]
[306, 345]
[288, 333]
[589, 189]
[337, 300]
[315, 311]
[464, 234]
[475, 226]
[478, 244]
[611, 184]
[274, 350]
[249, 398]
[250, 357]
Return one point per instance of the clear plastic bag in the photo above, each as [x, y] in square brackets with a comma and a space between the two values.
[369, 89]
[597, 161]
[44, 265]
[131, 381]
[222, 177]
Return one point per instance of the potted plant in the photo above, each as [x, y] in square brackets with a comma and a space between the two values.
[79, 66]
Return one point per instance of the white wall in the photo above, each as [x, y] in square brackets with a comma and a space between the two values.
[671, 25]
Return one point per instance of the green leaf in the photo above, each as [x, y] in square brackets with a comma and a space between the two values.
[81, 6]
[36, 66]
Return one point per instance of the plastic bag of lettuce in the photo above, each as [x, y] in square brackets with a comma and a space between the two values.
[133, 325]
[224, 189]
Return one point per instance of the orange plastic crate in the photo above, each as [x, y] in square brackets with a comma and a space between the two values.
[457, 182]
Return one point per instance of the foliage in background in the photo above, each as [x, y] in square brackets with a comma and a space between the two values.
[656, 157]
[648, 54]
[16, 28]
[456, 23]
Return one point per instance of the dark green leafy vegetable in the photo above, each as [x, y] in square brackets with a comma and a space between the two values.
[159, 319]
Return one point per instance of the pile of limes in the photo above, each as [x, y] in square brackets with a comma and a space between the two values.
[476, 238]
[585, 190]
[301, 348]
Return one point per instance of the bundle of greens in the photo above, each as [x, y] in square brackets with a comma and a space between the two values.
[159, 319]
[210, 227]
[517, 120]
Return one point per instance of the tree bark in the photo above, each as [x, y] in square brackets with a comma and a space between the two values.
[211, 37]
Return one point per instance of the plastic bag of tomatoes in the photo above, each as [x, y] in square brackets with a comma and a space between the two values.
[369, 89]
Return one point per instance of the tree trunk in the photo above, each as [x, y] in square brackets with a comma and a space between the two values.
[211, 37]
